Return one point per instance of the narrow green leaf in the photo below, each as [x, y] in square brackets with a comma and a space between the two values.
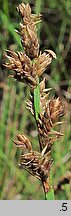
[50, 195]
[37, 100]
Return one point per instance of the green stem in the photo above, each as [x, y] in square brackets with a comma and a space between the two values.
[49, 195]
[37, 100]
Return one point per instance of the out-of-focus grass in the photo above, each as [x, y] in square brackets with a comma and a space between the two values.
[54, 33]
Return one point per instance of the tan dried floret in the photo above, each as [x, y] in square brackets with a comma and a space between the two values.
[28, 30]
[27, 16]
[22, 66]
[36, 164]
[42, 62]
[25, 69]
[23, 142]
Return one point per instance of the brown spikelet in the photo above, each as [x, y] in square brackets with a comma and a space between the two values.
[24, 69]
[27, 16]
[36, 164]
[51, 112]
[54, 109]
[28, 30]
[22, 66]
[23, 142]
[42, 62]
[29, 41]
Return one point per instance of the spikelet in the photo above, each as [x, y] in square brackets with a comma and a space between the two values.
[22, 66]
[27, 32]
[51, 112]
[38, 164]
[24, 69]
[48, 119]
[42, 62]
[23, 142]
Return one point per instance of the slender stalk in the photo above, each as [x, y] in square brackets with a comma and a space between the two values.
[37, 100]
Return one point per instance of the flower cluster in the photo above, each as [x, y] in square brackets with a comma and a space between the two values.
[28, 66]
[51, 112]
[25, 70]
[37, 164]
[28, 30]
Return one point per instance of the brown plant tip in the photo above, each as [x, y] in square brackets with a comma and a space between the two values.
[26, 70]
[28, 30]
[29, 41]
[53, 110]
[56, 109]
[23, 142]
[22, 66]
[37, 164]
[42, 62]
[27, 16]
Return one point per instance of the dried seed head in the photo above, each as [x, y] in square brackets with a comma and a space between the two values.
[27, 16]
[24, 10]
[23, 142]
[22, 66]
[47, 120]
[54, 109]
[37, 164]
[41, 63]
[28, 30]
[26, 70]
[29, 41]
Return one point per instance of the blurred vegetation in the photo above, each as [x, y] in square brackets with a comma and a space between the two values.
[54, 33]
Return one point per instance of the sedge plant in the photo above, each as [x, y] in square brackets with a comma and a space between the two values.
[28, 66]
